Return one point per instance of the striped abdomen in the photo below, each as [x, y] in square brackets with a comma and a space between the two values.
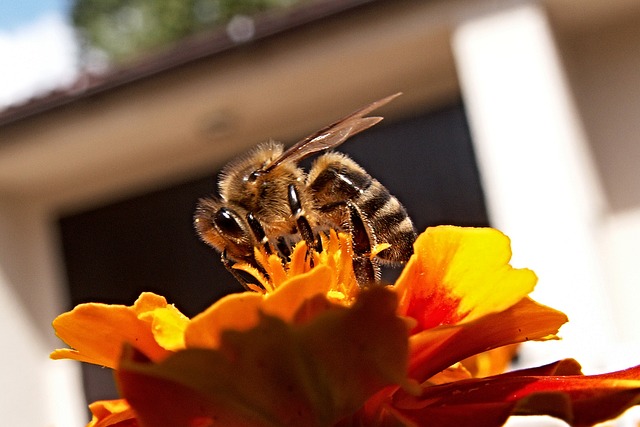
[336, 182]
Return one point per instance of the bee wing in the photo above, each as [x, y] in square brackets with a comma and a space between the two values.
[332, 135]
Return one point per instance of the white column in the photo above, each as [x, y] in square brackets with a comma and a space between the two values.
[37, 391]
[541, 187]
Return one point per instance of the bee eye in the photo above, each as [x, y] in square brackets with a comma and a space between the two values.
[228, 223]
[253, 176]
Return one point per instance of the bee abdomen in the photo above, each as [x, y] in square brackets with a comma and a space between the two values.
[390, 222]
[335, 177]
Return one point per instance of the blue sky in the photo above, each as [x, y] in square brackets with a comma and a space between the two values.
[38, 49]
[17, 13]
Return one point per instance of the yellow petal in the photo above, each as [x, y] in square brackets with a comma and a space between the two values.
[167, 325]
[460, 274]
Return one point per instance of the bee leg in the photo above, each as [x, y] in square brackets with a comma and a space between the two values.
[258, 232]
[304, 228]
[301, 222]
[237, 274]
[284, 249]
[365, 268]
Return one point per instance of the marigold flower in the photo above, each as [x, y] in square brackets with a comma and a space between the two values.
[309, 347]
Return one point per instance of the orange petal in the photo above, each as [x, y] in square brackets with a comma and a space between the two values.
[459, 274]
[276, 373]
[241, 311]
[272, 264]
[492, 362]
[112, 413]
[576, 399]
[453, 373]
[96, 332]
[148, 301]
[299, 263]
[285, 301]
[236, 311]
[436, 349]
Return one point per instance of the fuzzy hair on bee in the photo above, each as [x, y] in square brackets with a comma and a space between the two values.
[265, 199]
[265, 195]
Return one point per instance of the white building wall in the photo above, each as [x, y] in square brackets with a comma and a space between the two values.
[604, 68]
[36, 391]
[541, 186]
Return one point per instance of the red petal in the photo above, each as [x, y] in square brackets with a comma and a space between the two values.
[578, 400]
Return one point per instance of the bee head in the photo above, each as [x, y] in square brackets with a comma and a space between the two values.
[224, 228]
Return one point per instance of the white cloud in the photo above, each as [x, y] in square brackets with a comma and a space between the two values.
[37, 58]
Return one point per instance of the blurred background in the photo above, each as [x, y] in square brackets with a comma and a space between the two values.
[116, 116]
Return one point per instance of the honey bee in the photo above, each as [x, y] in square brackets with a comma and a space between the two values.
[265, 199]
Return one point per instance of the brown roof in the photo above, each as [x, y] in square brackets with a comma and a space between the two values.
[181, 53]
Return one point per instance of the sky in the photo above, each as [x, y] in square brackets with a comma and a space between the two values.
[38, 52]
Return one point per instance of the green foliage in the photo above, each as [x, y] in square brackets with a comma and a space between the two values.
[123, 29]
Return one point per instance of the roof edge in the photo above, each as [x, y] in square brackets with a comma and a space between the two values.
[188, 50]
